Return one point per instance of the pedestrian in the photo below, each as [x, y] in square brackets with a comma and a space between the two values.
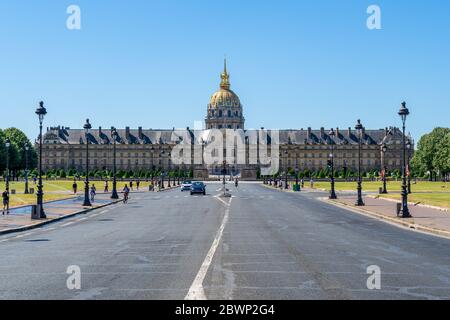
[138, 182]
[131, 184]
[74, 186]
[125, 191]
[34, 179]
[93, 193]
[303, 183]
[106, 186]
[311, 183]
[5, 197]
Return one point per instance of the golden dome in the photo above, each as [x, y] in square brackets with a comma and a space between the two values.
[224, 97]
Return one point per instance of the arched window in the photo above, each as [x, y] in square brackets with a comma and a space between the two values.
[229, 113]
[220, 113]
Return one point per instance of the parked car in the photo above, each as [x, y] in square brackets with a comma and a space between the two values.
[186, 185]
[198, 187]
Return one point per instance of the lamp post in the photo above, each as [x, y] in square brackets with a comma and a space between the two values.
[286, 171]
[408, 173]
[26, 169]
[359, 129]
[169, 168]
[384, 168]
[162, 170]
[87, 203]
[224, 171]
[403, 113]
[41, 112]
[7, 145]
[333, 191]
[114, 136]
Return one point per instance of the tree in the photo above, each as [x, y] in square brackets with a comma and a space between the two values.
[441, 160]
[432, 153]
[17, 150]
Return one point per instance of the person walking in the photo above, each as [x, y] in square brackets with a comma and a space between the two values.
[311, 183]
[74, 186]
[131, 185]
[126, 192]
[106, 186]
[138, 182]
[5, 197]
[93, 193]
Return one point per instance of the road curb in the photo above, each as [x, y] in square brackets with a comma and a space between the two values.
[47, 222]
[396, 221]
[167, 189]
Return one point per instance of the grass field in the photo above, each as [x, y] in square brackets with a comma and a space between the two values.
[425, 192]
[392, 186]
[433, 199]
[65, 186]
[56, 190]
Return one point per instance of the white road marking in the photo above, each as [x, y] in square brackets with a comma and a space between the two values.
[67, 224]
[104, 211]
[196, 291]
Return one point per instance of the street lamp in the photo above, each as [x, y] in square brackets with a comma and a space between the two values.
[286, 171]
[224, 171]
[408, 173]
[41, 112]
[169, 168]
[7, 145]
[114, 136]
[384, 168]
[26, 168]
[403, 113]
[359, 129]
[332, 192]
[162, 170]
[87, 203]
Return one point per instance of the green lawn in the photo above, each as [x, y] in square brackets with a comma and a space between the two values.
[425, 192]
[392, 186]
[65, 186]
[433, 199]
[56, 189]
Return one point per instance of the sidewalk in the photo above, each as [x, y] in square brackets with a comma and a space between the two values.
[424, 219]
[19, 219]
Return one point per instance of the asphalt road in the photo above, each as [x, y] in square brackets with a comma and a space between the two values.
[259, 244]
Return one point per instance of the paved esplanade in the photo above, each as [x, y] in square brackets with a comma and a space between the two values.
[269, 245]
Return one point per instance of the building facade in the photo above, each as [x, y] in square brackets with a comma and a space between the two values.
[149, 149]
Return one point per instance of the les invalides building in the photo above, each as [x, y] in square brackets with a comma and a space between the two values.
[147, 149]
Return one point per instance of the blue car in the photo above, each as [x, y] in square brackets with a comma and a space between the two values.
[198, 187]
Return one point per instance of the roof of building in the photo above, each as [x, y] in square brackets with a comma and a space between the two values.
[142, 136]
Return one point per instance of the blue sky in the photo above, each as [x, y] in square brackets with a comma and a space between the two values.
[294, 64]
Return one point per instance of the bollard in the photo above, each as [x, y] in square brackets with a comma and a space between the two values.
[399, 208]
[34, 214]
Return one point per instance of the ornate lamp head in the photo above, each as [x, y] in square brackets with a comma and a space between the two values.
[41, 112]
[403, 112]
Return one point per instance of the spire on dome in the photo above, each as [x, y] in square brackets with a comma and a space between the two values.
[225, 83]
